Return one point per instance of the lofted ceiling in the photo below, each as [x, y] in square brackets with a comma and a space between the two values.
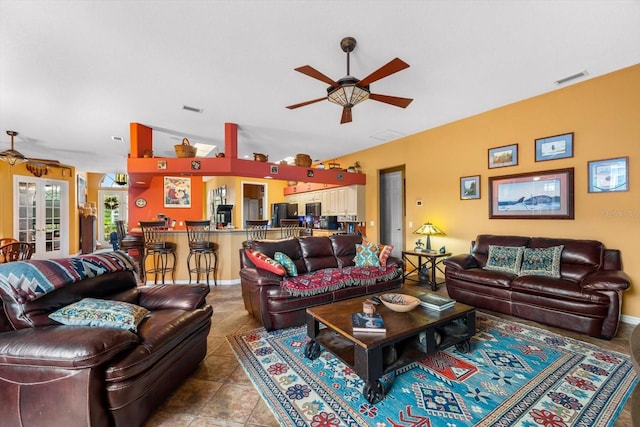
[73, 74]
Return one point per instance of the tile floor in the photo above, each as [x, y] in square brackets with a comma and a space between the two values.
[221, 394]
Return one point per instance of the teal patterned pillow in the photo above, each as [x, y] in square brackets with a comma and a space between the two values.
[504, 258]
[542, 261]
[99, 312]
[367, 255]
[287, 263]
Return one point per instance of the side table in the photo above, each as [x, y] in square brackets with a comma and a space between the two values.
[432, 261]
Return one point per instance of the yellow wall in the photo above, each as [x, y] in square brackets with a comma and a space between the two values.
[603, 113]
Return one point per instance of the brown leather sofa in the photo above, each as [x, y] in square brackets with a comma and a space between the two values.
[52, 374]
[274, 306]
[586, 298]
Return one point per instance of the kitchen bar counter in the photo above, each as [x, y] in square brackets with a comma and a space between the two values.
[229, 241]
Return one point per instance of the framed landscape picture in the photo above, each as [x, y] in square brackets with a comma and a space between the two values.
[470, 187]
[554, 147]
[503, 156]
[536, 195]
[609, 175]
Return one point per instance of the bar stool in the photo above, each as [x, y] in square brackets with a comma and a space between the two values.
[256, 229]
[289, 228]
[156, 246]
[131, 245]
[202, 249]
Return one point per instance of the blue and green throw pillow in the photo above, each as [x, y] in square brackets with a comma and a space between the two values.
[504, 258]
[367, 255]
[287, 263]
[542, 261]
[99, 312]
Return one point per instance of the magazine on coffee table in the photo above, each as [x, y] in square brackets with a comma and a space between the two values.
[367, 322]
[435, 302]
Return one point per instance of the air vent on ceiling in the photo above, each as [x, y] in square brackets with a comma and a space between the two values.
[192, 109]
[117, 138]
[571, 77]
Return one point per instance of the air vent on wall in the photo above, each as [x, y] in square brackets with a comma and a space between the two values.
[571, 77]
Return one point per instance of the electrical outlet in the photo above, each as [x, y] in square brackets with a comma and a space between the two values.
[410, 224]
[418, 202]
[371, 223]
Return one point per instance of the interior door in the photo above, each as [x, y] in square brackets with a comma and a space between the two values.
[392, 210]
[41, 207]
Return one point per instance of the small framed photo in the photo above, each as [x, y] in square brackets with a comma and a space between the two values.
[500, 157]
[554, 147]
[470, 187]
[606, 176]
[162, 164]
[309, 173]
[274, 170]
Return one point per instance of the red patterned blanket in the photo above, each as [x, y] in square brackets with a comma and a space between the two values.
[330, 279]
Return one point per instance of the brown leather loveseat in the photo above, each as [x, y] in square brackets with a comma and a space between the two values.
[317, 258]
[585, 298]
[69, 375]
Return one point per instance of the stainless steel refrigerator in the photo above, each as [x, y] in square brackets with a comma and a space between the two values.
[282, 211]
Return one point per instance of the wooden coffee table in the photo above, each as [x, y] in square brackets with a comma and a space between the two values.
[410, 336]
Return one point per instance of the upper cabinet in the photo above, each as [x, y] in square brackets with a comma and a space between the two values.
[340, 201]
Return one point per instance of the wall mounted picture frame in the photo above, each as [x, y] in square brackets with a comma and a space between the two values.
[162, 164]
[470, 187]
[609, 175]
[534, 195]
[81, 189]
[274, 170]
[506, 155]
[177, 192]
[554, 147]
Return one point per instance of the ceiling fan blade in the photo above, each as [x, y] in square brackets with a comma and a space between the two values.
[312, 72]
[389, 68]
[346, 115]
[302, 104]
[393, 100]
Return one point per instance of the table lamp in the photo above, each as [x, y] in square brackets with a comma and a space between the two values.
[428, 229]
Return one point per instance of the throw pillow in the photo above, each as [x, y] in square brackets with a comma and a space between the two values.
[385, 251]
[367, 255]
[99, 312]
[287, 263]
[262, 261]
[542, 261]
[504, 258]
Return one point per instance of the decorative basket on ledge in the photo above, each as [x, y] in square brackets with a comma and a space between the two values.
[185, 150]
[303, 160]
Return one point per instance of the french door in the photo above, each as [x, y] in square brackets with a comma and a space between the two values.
[41, 210]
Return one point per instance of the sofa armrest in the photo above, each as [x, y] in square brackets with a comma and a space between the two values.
[606, 280]
[185, 297]
[395, 261]
[61, 346]
[259, 277]
[462, 262]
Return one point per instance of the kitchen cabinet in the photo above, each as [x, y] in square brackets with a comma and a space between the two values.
[348, 200]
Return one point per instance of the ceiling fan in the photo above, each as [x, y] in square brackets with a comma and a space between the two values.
[349, 91]
[37, 167]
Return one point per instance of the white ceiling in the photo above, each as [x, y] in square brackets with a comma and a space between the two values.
[75, 73]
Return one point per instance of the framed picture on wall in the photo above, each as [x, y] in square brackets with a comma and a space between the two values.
[500, 157]
[609, 175]
[82, 191]
[537, 195]
[470, 187]
[177, 192]
[554, 147]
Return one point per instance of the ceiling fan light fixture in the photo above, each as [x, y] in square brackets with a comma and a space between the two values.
[12, 157]
[348, 94]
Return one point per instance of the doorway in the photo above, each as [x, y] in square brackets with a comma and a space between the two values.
[41, 207]
[254, 201]
[392, 209]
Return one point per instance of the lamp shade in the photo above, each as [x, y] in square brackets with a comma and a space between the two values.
[428, 229]
[348, 94]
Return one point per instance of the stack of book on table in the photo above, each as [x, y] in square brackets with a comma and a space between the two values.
[368, 322]
[435, 302]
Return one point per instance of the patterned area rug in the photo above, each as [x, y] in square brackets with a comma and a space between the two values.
[514, 375]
